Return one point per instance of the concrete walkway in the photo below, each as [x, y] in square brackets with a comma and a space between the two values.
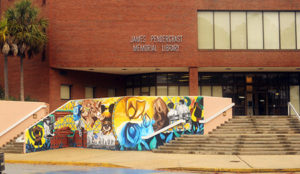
[157, 161]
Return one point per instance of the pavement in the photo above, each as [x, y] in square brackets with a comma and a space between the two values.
[159, 161]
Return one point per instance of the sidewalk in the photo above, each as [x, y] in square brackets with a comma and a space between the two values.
[158, 161]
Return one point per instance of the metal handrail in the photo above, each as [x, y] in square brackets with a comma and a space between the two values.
[164, 129]
[217, 114]
[24, 118]
[293, 108]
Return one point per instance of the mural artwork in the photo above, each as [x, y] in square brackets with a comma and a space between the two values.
[118, 123]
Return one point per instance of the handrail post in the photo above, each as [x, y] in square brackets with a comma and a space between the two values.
[289, 109]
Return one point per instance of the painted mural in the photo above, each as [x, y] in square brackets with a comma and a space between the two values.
[118, 123]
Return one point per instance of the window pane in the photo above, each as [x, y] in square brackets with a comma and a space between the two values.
[173, 90]
[271, 30]
[238, 30]
[222, 40]
[162, 91]
[129, 91]
[294, 98]
[111, 92]
[89, 92]
[205, 30]
[217, 91]
[298, 29]
[152, 91]
[136, 91]
[65, 92]
[184, 91]
[287, 30]
[255, 39]
[206, 91]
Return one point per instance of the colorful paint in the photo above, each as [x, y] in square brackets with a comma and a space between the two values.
[118, 123]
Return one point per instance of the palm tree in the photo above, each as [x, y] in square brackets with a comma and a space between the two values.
[28, 32]
[5, 50]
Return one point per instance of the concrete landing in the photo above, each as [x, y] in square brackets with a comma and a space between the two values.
[158, 161]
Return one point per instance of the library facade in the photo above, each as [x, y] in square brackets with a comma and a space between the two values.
[244, 50]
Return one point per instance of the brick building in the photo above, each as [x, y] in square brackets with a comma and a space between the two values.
[244, 49]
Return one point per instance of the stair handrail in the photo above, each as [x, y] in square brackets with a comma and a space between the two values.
[164, 129]
[293, 108]
[49, 114]
[217, 114]
[23, 119]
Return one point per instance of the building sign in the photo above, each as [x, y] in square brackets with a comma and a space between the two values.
[155, 43]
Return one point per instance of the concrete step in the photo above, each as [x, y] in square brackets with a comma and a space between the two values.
[259, 135]
[233, 126]
[228, 153]
[12, 151]
[254, 132]
[244, 136]
[210, 142]
[231, 149]
[233, 145]
[257, 128]
[262, 122]
[238, 139]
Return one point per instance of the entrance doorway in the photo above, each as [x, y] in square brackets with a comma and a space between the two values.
[266, 94]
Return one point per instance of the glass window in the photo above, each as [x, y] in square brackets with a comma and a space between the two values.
[206, 90]
[173, 91]
[205, 30]
[298, 29]
[287, 30]
[111, 92]
[184, 91]
[222, 30]
[217, 91]
[129, 92]
[255, 34]
[162, 78]
[89, 92]
[162, 91]
[294, 98]
[136, 91]
[152, 91]
[65, 92]
[271, 30]
[238, 30]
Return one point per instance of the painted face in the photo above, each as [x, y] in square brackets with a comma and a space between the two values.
[106, 126]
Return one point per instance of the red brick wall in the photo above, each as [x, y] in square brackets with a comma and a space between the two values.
[95, 33]
[79, 80]
[35, 77]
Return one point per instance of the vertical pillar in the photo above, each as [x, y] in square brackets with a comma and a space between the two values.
[193, 81]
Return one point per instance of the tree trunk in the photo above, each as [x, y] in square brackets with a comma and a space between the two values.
[21, 79]
[6, 95]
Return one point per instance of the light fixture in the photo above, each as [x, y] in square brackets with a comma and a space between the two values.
[91, 69]
[124, 69]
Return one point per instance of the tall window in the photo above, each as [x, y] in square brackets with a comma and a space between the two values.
[89, 92]
[65, 92]
[252, 30]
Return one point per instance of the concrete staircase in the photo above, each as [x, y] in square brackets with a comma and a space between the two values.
[12, 146]
[243, 135]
